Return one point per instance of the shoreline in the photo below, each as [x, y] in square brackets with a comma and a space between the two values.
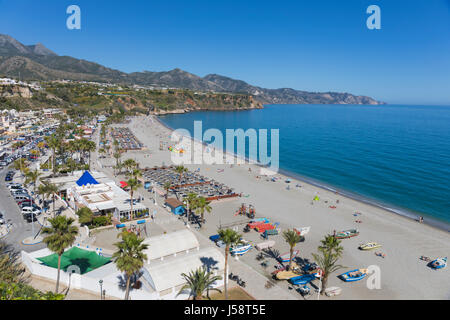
[403, 241]
[393, 209]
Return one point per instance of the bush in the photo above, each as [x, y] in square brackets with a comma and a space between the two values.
[101, 221]
[85, 216]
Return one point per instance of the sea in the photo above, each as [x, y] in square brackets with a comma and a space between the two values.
[393, 156]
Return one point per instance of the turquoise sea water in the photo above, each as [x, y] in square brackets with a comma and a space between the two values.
[396, 156]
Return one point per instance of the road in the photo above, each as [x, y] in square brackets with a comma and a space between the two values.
[20, 228]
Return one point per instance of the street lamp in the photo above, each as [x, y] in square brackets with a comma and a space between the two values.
[101, 289]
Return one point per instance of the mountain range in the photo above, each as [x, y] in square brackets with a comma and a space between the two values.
[36, 62]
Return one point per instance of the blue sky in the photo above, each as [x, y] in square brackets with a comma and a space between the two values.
[313, 45]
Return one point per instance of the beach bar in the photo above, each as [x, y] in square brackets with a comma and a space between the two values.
[175, 206]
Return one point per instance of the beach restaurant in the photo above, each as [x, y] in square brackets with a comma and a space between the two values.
[102, 198]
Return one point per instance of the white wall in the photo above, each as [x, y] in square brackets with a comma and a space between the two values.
[78, 281]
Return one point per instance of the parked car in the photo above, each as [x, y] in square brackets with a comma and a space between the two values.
[30, 217]
[21, 197]
[8, 178]
[20, 192]
[14, 186]
[25, 203]
[30, 210]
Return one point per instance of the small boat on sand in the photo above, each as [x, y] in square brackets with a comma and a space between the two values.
[369, 246]
[333, 291]
[280, 268]
[302, 280]
[286, 275]
[353, 275]
[439, 263]
[240, 249]
[347, 234]
[286, 257]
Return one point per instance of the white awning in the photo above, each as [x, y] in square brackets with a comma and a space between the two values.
[167, 275]
[170, 243]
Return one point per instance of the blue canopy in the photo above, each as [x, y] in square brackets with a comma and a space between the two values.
[86, 179]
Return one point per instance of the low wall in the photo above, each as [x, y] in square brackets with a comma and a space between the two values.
[79, 281]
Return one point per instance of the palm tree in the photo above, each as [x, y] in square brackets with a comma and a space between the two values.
[42, 191]
[11, 268]
[53, 143]
[71, 165]
[180, 170]
[331, 243]
[134, 184]
[130, 256]
[327, 259]
[117, 154]
[136, 173]
[201, 206]
[190, 199]
[230, 238]
[102, 151]
[33, 177]
[167, 187]
[89, 146]
[292, 238]
[130, 165]
[198, 282]
[60, 235]
[21, 164]
[51, 190]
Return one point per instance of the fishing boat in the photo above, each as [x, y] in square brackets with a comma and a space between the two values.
[260, 219]
[369, 246]
[353, 275]
[240, 249]
[347, 234]
[286, 257]
[280, 267]
[286, 275]
[439, 263]
[302, 280]
[333, 291]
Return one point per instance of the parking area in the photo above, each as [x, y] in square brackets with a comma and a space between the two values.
[19, 226]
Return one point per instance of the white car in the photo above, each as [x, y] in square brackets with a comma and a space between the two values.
[30, 210]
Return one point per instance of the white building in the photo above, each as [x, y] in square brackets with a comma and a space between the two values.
[102, 199]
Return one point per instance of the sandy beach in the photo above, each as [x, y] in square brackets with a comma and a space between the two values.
[403, 274]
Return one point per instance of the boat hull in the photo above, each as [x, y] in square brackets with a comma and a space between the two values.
[240, 250]
[347, 278]
[286, 257]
